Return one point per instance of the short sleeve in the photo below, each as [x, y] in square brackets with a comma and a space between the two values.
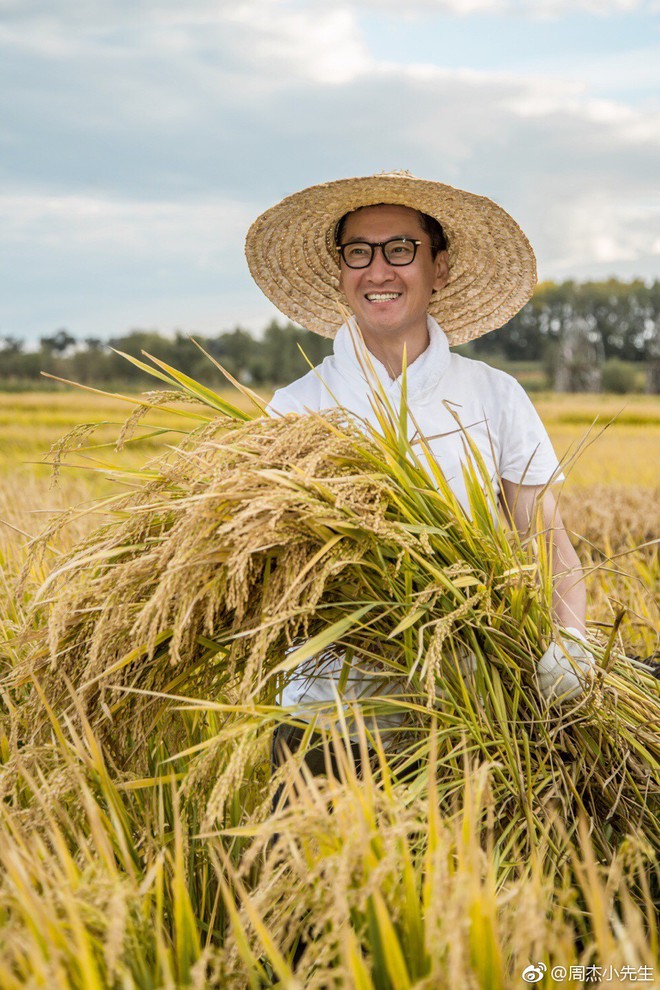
[527, 456]
[282, 403]
[301, 396]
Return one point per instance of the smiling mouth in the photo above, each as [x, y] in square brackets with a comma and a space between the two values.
[382, 296]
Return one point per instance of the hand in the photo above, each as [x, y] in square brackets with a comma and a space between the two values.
[564, 667]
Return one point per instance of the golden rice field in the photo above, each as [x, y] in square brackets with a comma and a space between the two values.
[610, 446]
[138, 847]
[618, 436]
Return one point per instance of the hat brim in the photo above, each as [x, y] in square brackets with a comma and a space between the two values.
[292, 257]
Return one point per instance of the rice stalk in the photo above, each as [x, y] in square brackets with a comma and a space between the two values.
[387, 893]
[139, 847]
[254, 538]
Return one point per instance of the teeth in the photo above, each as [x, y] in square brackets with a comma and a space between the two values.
[377, 296]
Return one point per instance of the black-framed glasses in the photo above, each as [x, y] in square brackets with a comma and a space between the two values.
[397, 251]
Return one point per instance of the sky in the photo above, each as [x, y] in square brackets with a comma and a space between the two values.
[139, 140]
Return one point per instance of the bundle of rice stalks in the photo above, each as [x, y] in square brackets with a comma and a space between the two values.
[99, 886]
[258, 545]
[364, 890]
[108, 883]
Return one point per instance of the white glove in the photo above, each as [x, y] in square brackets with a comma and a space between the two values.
[563, 668]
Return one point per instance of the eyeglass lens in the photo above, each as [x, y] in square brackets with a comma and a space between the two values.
[398, 251]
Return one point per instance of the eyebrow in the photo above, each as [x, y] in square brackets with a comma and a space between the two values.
[392, 237]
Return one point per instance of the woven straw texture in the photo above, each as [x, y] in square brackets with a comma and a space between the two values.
[492, 270]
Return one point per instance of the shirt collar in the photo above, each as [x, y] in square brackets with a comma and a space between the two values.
[354, 359]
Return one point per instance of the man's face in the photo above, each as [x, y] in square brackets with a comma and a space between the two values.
[391, 300]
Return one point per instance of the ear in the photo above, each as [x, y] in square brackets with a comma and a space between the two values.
[341, 281]
[441, 263]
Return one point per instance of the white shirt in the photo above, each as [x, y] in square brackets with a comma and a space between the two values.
[491, 407]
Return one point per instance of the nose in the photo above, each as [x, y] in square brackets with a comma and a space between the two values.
[380, 269]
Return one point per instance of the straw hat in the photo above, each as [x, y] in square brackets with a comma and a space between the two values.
[291, 253]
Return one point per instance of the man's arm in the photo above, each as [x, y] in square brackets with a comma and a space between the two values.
[569, 600]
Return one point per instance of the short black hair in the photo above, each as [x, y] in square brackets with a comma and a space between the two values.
[429, 225]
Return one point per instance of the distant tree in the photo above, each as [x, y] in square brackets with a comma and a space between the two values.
[618, 376]
[624, 315]
[15, 362]
[653, 366]
[621, 320]
[59, 343]
[579, 355]
[235, 351]
[12, 357]
[10, 345]
[91, 363]
[282, 357]
[133, 344]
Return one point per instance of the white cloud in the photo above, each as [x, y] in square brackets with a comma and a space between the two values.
[99, 266]
[555, 8]
[321, 44]
[539, 9]
[129, 227]
[627, 124]
[138, 153]
[287, 39]
[613, 235]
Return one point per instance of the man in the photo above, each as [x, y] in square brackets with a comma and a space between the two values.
[421, 265]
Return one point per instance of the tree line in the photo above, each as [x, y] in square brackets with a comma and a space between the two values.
[272, 359]
[601, 322]
[622, 318]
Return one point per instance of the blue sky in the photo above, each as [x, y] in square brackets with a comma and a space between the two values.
[137, 143]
